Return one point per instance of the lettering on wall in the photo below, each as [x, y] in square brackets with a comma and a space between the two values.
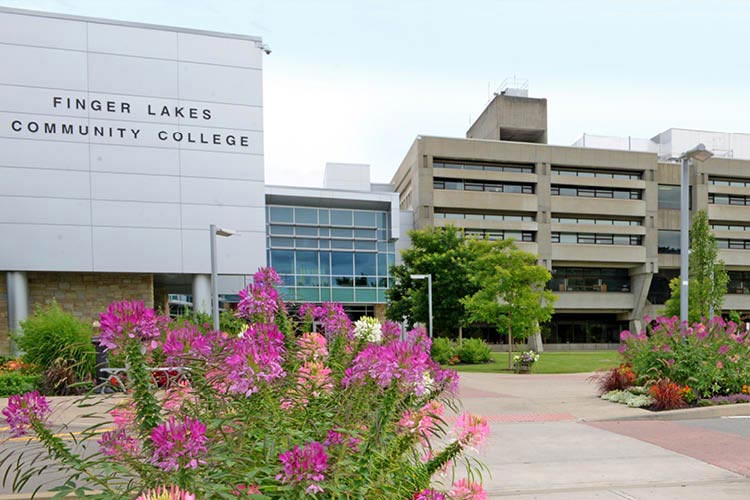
[105, 108]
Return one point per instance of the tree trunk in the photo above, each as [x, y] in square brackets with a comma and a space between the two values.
[460, 335]
[510, 346]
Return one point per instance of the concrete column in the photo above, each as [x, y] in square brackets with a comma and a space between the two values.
[18, 303]
[202, 293]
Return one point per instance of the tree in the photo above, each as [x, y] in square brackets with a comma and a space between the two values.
[708, 276]
[510, 290]
[442, 252]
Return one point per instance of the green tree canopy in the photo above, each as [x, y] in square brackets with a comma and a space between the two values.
[442, 252]
[708, 276]
[510, 291]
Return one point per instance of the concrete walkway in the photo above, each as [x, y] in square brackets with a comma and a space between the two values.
[552, 438]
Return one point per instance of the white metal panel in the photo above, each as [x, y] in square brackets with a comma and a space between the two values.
[221, 165]
[234, 253]
[42, 67]
[135, 214]
[126, 187]
[133, 75]
[237, 218]
[28, 210]
[118, 249]
[38, 182]
[38, 247]
[205, 82]
[216, 50]
[127, 159]
[43, 154]
[128, 40]
[42, 31]
[222, 192]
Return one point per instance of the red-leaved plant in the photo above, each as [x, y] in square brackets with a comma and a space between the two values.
[614, 379]
[667, 395]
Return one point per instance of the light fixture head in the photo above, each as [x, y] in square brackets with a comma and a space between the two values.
[418, 276]
[699, 153]
[221, 231]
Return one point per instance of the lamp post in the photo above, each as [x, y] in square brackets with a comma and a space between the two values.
[216, 231]
[428, 277]
[699, 153]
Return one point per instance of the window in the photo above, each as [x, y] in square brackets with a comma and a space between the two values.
[282, 261]
[488, 167]
[527, 236]
[596, 239]
[669, 241]
[590, 192]
[669, 196]
[341, 217]
[733, 244]
[739, 282]
[486, 186]
[729, 181]
[728, 227]
[589, 279]
[725, 199]
[604, 222]
[306, 215]
[282, 214]
[606, 174]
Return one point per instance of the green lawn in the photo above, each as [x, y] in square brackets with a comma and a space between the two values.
[551, 362]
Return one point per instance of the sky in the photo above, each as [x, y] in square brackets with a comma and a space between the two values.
[356, 81]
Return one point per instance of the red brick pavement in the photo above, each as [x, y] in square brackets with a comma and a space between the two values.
[728, 451]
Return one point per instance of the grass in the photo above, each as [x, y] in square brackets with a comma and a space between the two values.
[551, 362]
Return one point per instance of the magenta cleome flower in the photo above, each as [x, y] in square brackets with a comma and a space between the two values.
[314, 378]
[463, 489]
[331, 316]
[429, 494]
[255, 358]
[260, 301]
[179, 444]
[305, 466]
[125, 321]
[471, 430]
[119, 445]
[22, 410]
[186, 343]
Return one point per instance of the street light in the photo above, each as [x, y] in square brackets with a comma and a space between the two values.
[699, 153]
[216, 231]
[428, 277]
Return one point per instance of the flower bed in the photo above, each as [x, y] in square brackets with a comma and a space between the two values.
[352, 411]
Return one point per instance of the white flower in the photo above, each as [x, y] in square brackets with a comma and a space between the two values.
[368, 329]
[242, 331]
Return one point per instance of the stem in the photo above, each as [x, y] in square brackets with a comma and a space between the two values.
[147, 407]
[445, 456]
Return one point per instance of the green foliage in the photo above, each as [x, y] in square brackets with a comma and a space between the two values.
[443, 350]
[442, 252]
[474, 351]
[708, 276]
[18, 383]
[510, 290]
[50, 334]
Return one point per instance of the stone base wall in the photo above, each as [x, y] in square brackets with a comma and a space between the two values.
[84, 295]
[87, 294]
[4, 339]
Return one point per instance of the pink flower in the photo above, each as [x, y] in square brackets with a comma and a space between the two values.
[336, 438]
[331, 316]
[125, 321]
[429, 494]
[625, 335]
[471, 430]
[465, 490]
[179, 444]
[246, 489]
[119, 445]
[723, 349]
[719, 365]
[178, 395]
[312, 347]
[123, 415]
[185, 343]
[254, 358]
[314, 379]
[260, 301]
[391, 331]
[162, 493]
[305, 466]
[24, 409]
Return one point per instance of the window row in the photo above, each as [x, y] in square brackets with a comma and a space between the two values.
[342, 295]
[326, 217]
[733, 244]
[726, 199]
[327, 232]
[726, 181]
[603, 222]
[590, 192]
[596, 239]
[729, 227]
[487, 167]
[495, 217]
[739, 282]
[337, 281]
[606, 174]
[493, 235]
[344, 244]
[310, 263]
[488, 186]
[584, 279]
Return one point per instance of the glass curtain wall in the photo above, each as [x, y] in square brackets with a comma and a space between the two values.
[326, 254]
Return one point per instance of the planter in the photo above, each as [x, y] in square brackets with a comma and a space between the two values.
[523, 367]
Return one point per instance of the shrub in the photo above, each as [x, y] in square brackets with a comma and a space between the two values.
[60, 379]
[713, 358]
[18, 383]
[473, 351]
[443, 350]
[618, 378]
[667, 395]
[50, 334]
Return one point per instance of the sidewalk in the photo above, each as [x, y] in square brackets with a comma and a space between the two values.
[552, 438]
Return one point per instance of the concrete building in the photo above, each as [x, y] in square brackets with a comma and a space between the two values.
[604, 221]
[119, 144]
[335, 243]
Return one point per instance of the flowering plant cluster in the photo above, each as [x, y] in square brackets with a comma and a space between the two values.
[355, 411]
[527, 357]
[702, 360]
